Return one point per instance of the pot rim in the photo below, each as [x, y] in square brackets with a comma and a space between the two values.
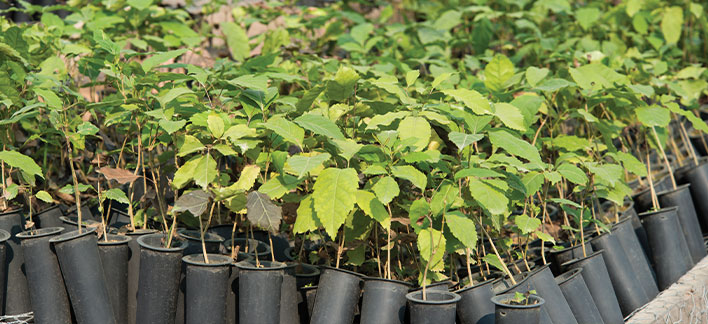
[181, 244]
[656, 212]
[478, 285]
[68, 236]
[259, 243]
[435, 284]
[387, 280]
[197, 259]
[497, 300]
[115, 239]
[142, 231]
[554, 251]
[568, 263]
[4, 235]
[50, 208]
[359, 275]
[249, 265]
[411, 296]
[40, 232]
[314, 270]
[566, 276]
[187, 234]
[69, 220]
[15, 210]
[622, 219]
[678, 187]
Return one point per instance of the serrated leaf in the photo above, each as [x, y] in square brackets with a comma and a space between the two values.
[237, 40]
[299, 165]
[216, 125]
[347, 148]
[278, 186]
[494, 261]
[445, 197]
[306, 220]
[139, 4]
[534, 75]
[527, 224]
[411, 174]
[238, 131]
[498, 72]
[286, 129]
[386, 189]
[671, 24]
[49, 97]
[545, 237]
[44, 196]
[173, 94]
[411, 77]
[440, 79]
[462, 140]
[385, 119]
[514, 145]
[653, 116]
[334, 194]
[190, 145]
[610, 173]
[478, 172]
[172, 126]
[532, 182]
[572, 173]
[342, 87]
[631, 163]
[462, 228]
[22, 162]
[491, 199]
[195, 202]
[160, 58]
[248, 177]
[263, 213]
[472, 100]
[319, 125]
[415, 129]
[432, 241]
[205, 171]
[117, 195]
[510, 115]
[372, 207]
[86, 128]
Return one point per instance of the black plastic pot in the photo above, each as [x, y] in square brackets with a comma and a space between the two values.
[212, 241]
[697, 176]
[337, 296]
[207, 288]
[4, 236]
[289, 296]
[691, 227]
[81, 268]
[384, 301]
[306, 303]
[506, 313]
[439, 307]
[70, 223]
[259, 291]
[115, 254]
[49, 217]
[629, 291]
[437, 286]
[50, 302]
[306, 274]
[524, 285]
[638, 228]
[158, 281]
[17, 299]
[134, 271]
[232, 286]
[559, 257]
[252, 245]
[641, 267]
[669, 252]
[475, 305]
[578, 297]
[546, 287]
[600, 286]
[642, 199]
[86, 213]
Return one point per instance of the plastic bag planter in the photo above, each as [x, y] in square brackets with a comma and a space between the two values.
[439, 307]
[337, 296]
[207, 288]
[641, 267]
[49, 217]
[578, 296]
[50, 303]
[16, 291]
[669, 252]
[115, 254]
[600, 286]
[691, 227]
[81, 268]
[158, 281]
[506, 313]
[475, 305]
[259, 291]
[134, 271]
[384, 301]
[629, 291]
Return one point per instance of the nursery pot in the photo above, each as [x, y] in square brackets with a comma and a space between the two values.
[638, 228]
[288, 296]
[70, 223]
[524, 285]
[578, 296]
[669, 252]
[437, 286]
[475, 305]
[306, 274]
[158, 280]
[384, 301]
[253, 246]
[507, 313]
[306, 303]
[629, 291]
[641, 267]
[547, 288]
[17, 299]
[559, 257]
[691, 227]
[47, 292]
[81, 268]
[134, 271]
[642, 199]
[439, 307]
[337, 296]
[115, 253]
[4, 236]
[232, 289]
[259, 291]
[600, 286]
[49, 217]
[212, 241]
[207, 288]
[697, 176]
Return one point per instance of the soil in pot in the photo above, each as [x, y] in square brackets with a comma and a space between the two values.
[475, 305]
[115, 253]
[507, 311]
[158, 280]
[207, 288]
[134, 271]
[578, 296]
[384, 301]
[669, 252]
[259, 288]
[641, 267]
[439, 307]
[49, 217]
[691, 227]
[50, 302]
[17, 299]
[305, 274]
[337, 296]
[82, 271]
[600, 286]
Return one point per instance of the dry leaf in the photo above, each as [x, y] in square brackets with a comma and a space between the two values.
[122, 176]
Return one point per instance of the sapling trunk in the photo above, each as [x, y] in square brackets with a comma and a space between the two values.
[654, 199]
[491, 242]
[340, 248]
[270, 241]
[433, 251]
[100, 205]
[580, 224]
[469, 269]
[77, 194]
[703, 138]
[388, 242]
[687, 141]
[666, 159]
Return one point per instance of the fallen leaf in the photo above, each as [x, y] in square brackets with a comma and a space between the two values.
[122, 176]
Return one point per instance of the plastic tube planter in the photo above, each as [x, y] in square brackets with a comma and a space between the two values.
[337, 296]
[440, 307]
[207, 288]
[83, 275]
[384, 301]
[115, 254]
[600, 286]
[578, 296]
[134, 271]
[49, 217]
[697, 176]
[288, 296]
[16, 291]
[691, 227]
[4, 237]
[50, 302]
[475, 305]
[641, 267]
[547, 288]
[259, 291]
[506, 312]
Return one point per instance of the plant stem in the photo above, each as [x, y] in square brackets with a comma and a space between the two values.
[339, 250]
[270, 240]
[654, 199]
[469, 269]
[77, 194]
[666, 160]
[687, 141]
[505, 268]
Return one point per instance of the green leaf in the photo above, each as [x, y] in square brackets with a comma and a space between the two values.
[587, 16]
[472, 100]
[357, 256]
[609, 173]
[342, 87]
[411, 174]
[278, 186]
[491, 199]
[216, 125]
[50, 98]
[319, 125]
[238, 131]
[498, 72]
[372, 207]
[173, 94]
[415, 129]
[308, 98]
[347, 148]
[432, 241]
[653, 115]
[361, 32]
[248, 177]
[306, 220]
[534, 75]
[185, 173]
[462, 228]
[46, 197]
[117, 195]
[237, 41]
[631, 163]
[160, 58]
[263, 213]
[139, 4]
[477, 172]
[494, 261]
[514, 145]
[195, 202]
[411, 76]
[205, 171]
[510, 116]
[462, 140]
[440, 79]
[597, 76]
[386, 189]
[532, 182]
[22, 162]
[527, 224]
[254, 82]
[172, 126]
[86, 128]
[671, 24]
[572, 173]
[286, 129]
[545, 237]
[299, 165]
[446, 197]
[385, 119]
[190, 145]
[334, 194]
